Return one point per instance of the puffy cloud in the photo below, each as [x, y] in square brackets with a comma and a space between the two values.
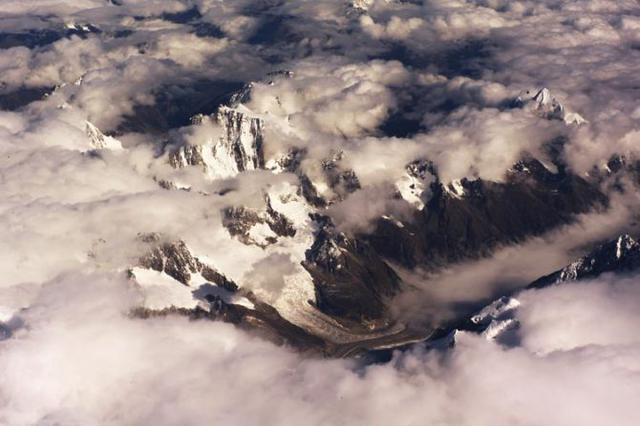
[360, 210]
[396, 28]
[169, 370]
[569, 317]
[333, 97]
[267, 278]
[485, 143]
[71, 353]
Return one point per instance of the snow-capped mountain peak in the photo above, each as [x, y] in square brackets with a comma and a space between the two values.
[99, 140]
[544, 98]
[361, 4]
[238, 148]
[548, 106]
[414, 186]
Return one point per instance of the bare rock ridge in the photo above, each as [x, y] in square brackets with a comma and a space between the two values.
[175, 260]
[258, 227]
[453, 227]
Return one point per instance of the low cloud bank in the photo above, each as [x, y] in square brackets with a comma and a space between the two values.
[75, 357]
[70, 353]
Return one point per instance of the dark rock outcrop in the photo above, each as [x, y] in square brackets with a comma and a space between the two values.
[455, 227]
[240, 220]
[352, 282]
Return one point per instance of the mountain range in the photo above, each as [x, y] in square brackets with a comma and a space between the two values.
[338, 299]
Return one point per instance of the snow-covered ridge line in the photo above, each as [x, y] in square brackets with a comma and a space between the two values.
[618, 256]
[172, 277]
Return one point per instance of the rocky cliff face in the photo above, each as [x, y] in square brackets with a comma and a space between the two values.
[258, 227]
[352, 282]
[98, 140]
[547, 106]
[239, 148]
[175, 260]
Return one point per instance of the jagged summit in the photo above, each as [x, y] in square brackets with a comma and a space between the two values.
[544, 98]
[619, 255]
[257, 227]
[361, 4]
[414, 185]
[498, 319]
[99, 140]
[364, 5]
[237, 149]
[548, 106]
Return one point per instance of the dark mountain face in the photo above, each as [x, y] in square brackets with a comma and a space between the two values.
[175, 105]
[15, 99]
[454, 227]
[263, 320]
[617, 256]
[352, 282]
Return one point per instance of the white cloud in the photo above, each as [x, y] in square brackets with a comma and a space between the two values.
[169, 370]
[333, 97]
[569, 317]
[443, 295]
[359, 212]
[71, 354]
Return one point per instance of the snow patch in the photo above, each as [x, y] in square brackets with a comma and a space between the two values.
[455, 189]
[239, 148]
[163, 292]
[411, 189]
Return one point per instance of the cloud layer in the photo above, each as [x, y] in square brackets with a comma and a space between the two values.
[169, 370]
[366, 89]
